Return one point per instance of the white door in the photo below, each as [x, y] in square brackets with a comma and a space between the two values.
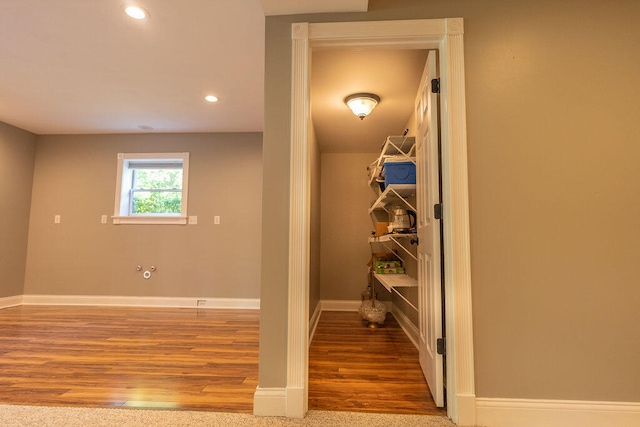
[428, 195]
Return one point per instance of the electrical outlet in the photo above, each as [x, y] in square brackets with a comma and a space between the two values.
[193, 220]
[103, 219]
[201, 302]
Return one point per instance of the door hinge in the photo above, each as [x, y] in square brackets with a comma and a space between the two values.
[435, 85]
[437, 211]
[440, 346]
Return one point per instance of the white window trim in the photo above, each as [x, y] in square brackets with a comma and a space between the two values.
[151, 219]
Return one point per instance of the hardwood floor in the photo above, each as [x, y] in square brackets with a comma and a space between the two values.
[354, 368]
[193, 359]
[132, 357]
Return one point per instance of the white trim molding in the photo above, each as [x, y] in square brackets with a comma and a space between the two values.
[299, 226]
[456, 235]
[340, 305]
[553, 413]
[313, 321]
[11, 301]
[269, 402]
[445, 35]
[121, 214]
[150, 220]
[411, 331]
[132, 301]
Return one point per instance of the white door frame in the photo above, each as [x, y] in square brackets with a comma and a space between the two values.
[446, 35]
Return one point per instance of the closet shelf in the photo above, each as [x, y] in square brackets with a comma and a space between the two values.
[394, 146]
[392, 282]
[396, 238]
[391, 237]
[394, 193]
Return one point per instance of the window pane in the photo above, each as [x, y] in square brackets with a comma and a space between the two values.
[152, 188]
[155, 202]
[158, 178]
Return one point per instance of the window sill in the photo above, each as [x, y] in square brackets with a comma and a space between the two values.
[160, 220]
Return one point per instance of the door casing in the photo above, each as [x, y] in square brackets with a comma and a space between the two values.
[445, 35]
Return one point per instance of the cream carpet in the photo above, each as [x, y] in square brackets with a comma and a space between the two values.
[45, 416]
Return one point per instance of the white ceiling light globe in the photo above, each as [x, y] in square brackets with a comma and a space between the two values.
[136, 12]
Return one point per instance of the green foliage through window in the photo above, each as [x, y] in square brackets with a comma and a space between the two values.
[156, 191]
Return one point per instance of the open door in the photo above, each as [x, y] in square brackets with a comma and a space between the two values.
[429, 249]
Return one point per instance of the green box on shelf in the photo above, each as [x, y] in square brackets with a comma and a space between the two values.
[388, 264]
[393, 270]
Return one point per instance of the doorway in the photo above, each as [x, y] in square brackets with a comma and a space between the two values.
[446, 35]
[346, 147]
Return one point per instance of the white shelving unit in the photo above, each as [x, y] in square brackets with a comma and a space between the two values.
[392, 282]
[394, 194]
[394, 146]
[398, 239]
[400, 148]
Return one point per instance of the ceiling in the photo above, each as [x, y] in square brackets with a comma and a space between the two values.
[393, 75]
[84, 67]
[291, 7]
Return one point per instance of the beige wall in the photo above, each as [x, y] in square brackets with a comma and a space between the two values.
[346, 225]
[17, 156]
[315, 217]
[75, 177]
[552, 100]
[275, 212]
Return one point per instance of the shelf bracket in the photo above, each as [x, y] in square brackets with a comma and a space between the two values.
[403, 248]
[402, 199]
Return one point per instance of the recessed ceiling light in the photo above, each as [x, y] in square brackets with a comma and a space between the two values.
[136, 12]
[211, 98]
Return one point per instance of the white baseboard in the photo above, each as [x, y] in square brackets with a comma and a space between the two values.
[130, 301]
[279, 402]
[270, 402]
[410, 330]
[464, 412]
[339, 305]
[553, 413]
[313, 322]
[347, 305]
[296, 402]
[12, 301]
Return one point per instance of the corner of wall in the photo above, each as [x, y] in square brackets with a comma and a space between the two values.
[11, 301]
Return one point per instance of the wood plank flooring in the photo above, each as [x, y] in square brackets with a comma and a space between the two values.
[354, 368]
[207, 360]
[132, 357]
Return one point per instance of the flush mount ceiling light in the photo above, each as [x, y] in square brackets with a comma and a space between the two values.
[211, 98]
[362, 103]
[136, 12]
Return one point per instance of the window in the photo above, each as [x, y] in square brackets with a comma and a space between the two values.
[151, 188]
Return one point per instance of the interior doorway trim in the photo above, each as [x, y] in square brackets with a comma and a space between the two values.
[446, 35]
